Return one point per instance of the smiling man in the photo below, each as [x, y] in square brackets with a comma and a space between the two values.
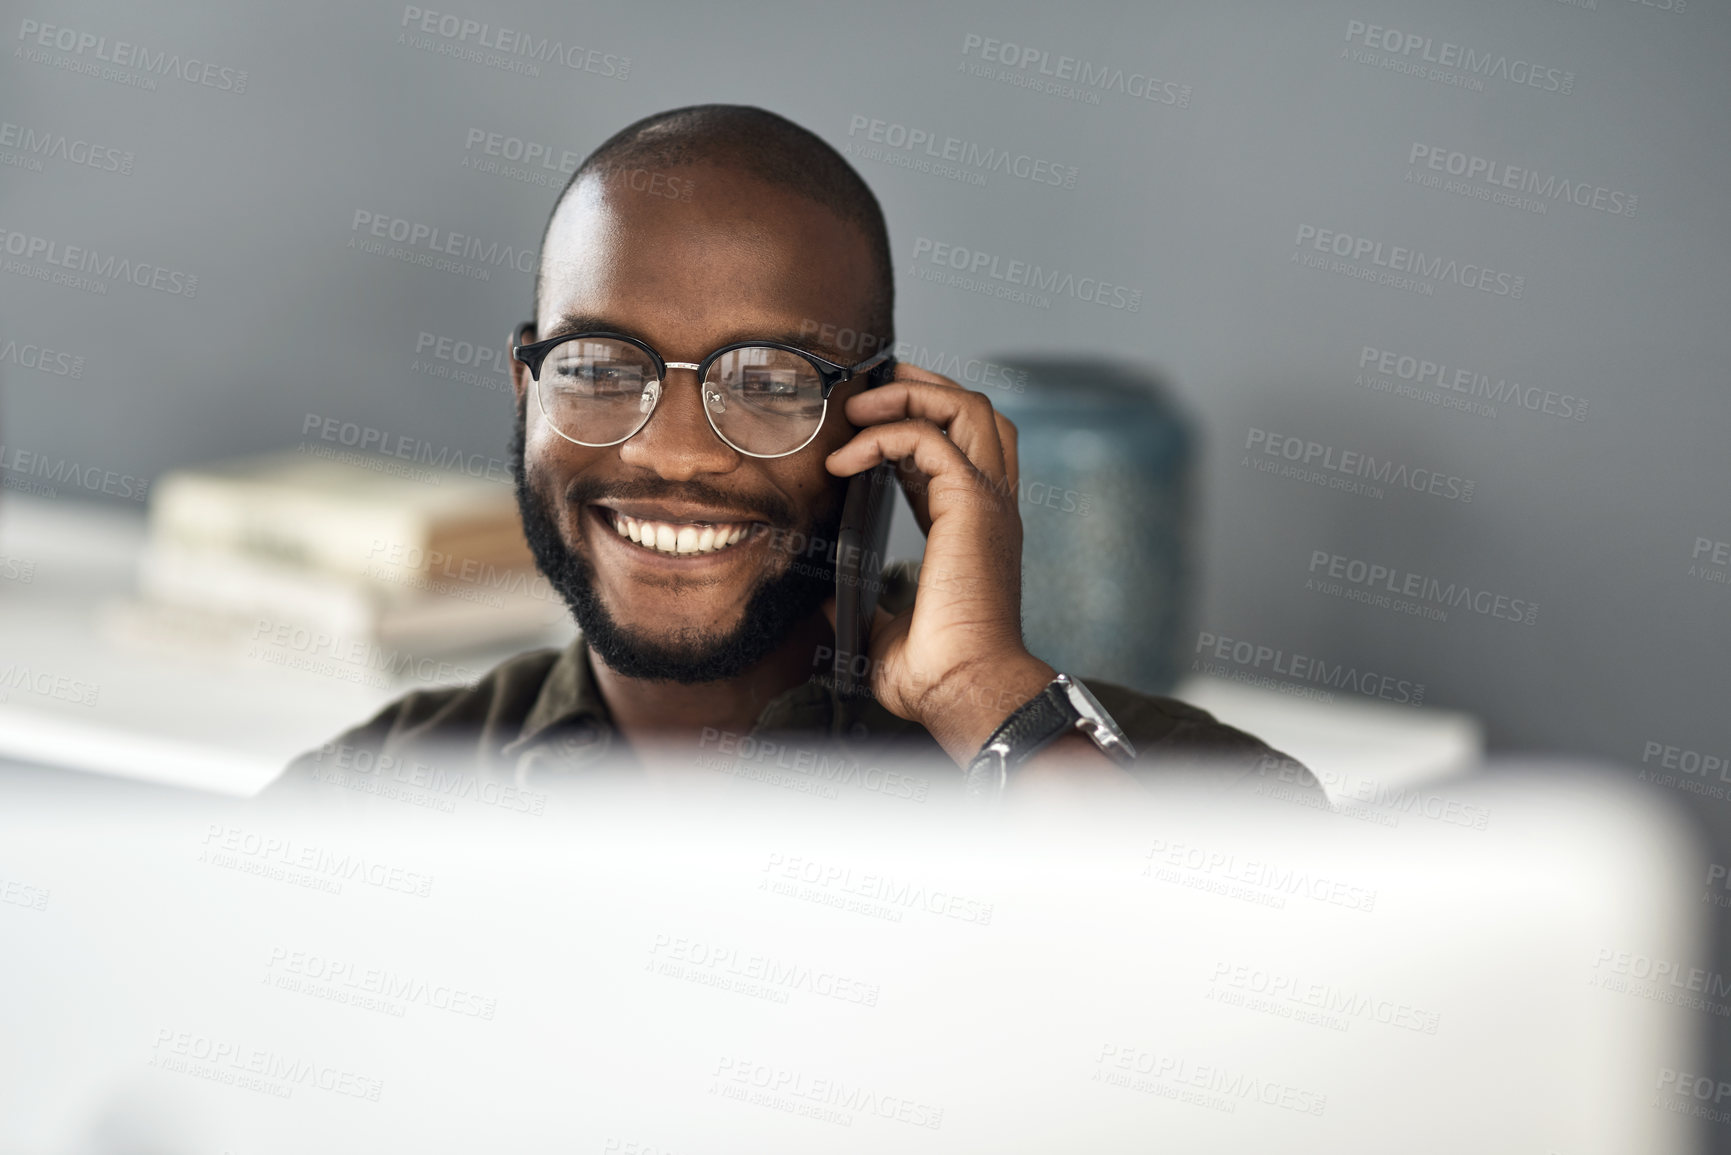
[682, 441]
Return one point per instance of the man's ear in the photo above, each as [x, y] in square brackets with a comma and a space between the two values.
[523, 334]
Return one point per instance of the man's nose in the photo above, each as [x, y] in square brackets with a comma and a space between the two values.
[678, 443]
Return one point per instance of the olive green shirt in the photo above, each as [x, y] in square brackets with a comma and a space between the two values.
[538, 720]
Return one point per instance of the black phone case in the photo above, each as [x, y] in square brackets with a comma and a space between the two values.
[860, 544]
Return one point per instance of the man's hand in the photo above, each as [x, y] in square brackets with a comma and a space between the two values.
[955, 663]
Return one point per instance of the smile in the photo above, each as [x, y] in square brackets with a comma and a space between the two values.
[679, 537]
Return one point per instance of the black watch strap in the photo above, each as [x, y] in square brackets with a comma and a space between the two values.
[1039, 722]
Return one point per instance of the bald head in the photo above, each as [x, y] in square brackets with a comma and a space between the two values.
[747, 141]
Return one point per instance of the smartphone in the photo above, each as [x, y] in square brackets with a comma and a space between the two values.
[859, 563]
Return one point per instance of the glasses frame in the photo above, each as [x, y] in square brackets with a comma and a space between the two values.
[878, 368]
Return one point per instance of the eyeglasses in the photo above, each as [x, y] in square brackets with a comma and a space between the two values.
[763, 398]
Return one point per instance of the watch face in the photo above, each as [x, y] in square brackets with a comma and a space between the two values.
[1086, 704]
[1090, 708]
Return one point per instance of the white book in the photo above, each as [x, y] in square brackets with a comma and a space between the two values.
[364, 515]
[417, 611]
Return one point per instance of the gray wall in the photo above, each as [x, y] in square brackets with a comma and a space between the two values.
[1267, 118]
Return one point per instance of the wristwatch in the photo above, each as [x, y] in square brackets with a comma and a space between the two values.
[1064, 705]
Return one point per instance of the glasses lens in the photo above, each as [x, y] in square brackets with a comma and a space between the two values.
[764, 400]
[598, 391]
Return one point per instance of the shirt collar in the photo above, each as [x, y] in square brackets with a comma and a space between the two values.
[570, 693]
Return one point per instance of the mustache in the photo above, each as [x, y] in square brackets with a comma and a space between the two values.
[774, 509]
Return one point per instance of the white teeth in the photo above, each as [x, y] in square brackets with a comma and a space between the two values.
[678, 539]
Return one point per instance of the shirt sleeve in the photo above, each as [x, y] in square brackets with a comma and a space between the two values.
[1170, 734]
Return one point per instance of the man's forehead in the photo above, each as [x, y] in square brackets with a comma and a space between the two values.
[739, 252]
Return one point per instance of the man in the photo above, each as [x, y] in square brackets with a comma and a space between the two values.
[670, 521]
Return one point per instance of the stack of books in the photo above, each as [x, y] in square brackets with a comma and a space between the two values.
[292, 553]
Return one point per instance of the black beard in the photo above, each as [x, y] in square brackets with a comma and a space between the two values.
[775, 605]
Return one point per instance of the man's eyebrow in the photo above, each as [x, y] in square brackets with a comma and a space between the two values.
[588, 323]
[595, 323]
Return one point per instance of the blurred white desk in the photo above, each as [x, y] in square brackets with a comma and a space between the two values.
[206, 721]
[1359, 749]
[230, 724]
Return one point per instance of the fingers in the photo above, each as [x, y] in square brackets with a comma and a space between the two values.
[1007, 438]
[916, 440]
[965, 417]
[908, 371]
